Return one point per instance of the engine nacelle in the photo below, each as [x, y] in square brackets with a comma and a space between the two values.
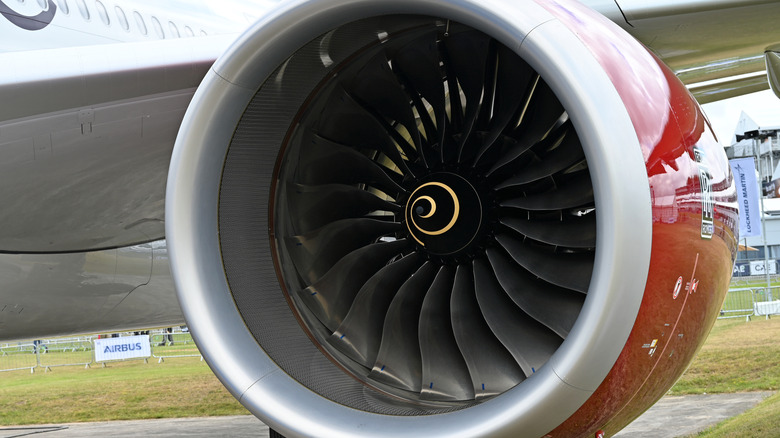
[447, 218]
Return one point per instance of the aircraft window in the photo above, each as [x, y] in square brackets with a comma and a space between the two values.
[120, 15]
[188, 31]
[174, 30]
[83, 9]
[63, 4]
[103, 13]
[44, 4]
[139, 22]
[158, 27]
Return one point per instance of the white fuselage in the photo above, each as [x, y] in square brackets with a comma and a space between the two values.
[47, 24]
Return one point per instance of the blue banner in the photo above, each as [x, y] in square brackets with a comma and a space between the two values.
[744, 170]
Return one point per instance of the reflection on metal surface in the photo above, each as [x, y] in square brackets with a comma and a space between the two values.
[124, 288]
[71, 188]
[85, 147]
[773, 68]
[688, 35]
[719, 89]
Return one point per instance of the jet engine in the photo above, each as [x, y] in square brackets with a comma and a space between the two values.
[447, 219]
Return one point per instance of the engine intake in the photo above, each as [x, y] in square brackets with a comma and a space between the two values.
[413, 216]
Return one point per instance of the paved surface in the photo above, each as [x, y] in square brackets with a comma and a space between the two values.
[243, 426]
[670, 417]
[675, 416]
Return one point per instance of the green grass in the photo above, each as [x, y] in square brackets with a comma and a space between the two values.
[180, 387]
[763, 421]
[738, 356]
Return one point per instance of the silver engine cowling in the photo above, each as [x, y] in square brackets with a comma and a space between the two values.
[396, 217]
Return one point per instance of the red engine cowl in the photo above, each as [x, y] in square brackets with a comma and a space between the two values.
[447, 218]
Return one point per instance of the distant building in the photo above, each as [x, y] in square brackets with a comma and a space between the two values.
[762, 143]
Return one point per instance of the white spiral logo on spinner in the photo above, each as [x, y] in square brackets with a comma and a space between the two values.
[432, 202]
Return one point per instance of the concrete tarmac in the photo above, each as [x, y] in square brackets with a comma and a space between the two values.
[237, 426]
[672, 416]
[677, 416]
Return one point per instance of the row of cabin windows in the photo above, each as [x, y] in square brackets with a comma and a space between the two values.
[140, 23]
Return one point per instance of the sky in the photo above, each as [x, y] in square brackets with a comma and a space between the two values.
[763, 107]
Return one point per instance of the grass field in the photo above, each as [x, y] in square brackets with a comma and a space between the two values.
[180, 387]
[738, 356]
[763, 421]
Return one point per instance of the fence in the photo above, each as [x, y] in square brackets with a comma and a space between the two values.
[65, 352]
[175, 343]
[747, 302]
[79, 351]
[18, 356]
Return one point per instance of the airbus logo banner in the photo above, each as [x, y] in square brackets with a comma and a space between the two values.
[127, 347]
[35, 22]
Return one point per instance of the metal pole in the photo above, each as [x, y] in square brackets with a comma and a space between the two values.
[763, 222]
[771, 160]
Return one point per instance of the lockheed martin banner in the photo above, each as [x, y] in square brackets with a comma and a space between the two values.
[127, 347]
[744, 170]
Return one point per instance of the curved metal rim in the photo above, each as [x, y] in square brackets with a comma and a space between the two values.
[620, 184]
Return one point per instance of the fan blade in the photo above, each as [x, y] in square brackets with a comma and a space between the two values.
[360, 334]
[315, 253]
[348, 122]
[323, 162]
[575, 192]
[512, 149]
[467, 53]
[376, 87]
[542, 114]
[445, 375]
[492, 369]
[569, 270]
[312, 207]
[554, 307]
[418, 63]
[571, 231]
[530, 343]
[541, 147]
[568, 153]
[399, 363]
[513, 80]
[330, 298]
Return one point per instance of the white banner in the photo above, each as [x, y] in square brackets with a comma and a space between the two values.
[744, 170]
[767, 308]
[757, 267]
[127, 347]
